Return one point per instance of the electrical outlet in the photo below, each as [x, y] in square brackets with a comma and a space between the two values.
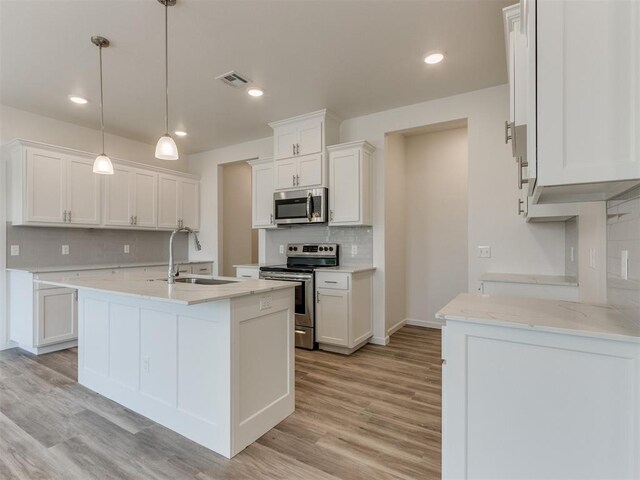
[15, 250]
[354, 250]
[592, 258]
[484, 251]
[624, 264]
[266, 302]
[126, 249]
[146, 365]
[65, 249]
[281, 248]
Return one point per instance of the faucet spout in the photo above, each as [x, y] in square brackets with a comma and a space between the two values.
[173, 271]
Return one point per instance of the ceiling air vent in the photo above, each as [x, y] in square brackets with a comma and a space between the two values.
[234, 79]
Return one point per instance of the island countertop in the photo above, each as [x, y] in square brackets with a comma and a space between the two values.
[154, 286]
[557, 316]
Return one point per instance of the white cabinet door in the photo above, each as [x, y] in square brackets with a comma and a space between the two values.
[46, 180]
[262, 195]
[284, 140]
[118, 207]
[309, 171]
[190, 203]
[83, 192]
[309, 137]
[286, 171]
[332, 316]
[345, 186]
[168, 204]
[145, 191]
[57, 316]
[588, 91]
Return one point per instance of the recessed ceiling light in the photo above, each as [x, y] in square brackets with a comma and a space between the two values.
[78, 100]
[255, 92]
[180, 133]
[433, 57]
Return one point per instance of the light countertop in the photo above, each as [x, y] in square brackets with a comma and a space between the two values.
[102, 266]
[562, 280]
[153, 286]
[557, 316]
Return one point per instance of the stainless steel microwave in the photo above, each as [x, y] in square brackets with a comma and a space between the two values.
[300, 206]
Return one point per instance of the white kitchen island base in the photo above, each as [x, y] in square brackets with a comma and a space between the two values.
[220, 373]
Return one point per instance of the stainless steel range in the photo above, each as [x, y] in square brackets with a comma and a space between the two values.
[302, 261]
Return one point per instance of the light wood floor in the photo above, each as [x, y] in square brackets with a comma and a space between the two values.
[374, 415]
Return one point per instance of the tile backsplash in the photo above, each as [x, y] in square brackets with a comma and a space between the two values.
[346, 237]
[623, 234]
[42, 246]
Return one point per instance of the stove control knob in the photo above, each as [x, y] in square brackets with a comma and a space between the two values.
[331, 249]
[295, 249]
[290, 249]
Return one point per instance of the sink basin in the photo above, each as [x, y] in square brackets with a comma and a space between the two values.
[204, 281]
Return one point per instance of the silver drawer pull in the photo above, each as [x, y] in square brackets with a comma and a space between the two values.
[330, 281]
[301, 332]
[246, 276]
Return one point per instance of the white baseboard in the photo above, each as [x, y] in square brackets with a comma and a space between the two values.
[424, 323]
[396, 327]
[379, 340]
[8, 345]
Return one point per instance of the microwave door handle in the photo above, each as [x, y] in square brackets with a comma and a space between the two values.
[309, 205]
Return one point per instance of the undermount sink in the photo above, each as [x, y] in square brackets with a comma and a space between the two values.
[204, 281]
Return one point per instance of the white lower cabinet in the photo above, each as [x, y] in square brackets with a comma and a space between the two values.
[344, 320]
[57, 313]
[520, 403]
[248, 272]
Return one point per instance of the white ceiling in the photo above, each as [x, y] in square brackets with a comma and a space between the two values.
[352, 57]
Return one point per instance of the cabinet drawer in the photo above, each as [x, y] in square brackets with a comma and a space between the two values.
[202, 268]
[339, 281]
[245, 272]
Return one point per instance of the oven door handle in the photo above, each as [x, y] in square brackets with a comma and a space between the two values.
[309, 205]
[287, 277]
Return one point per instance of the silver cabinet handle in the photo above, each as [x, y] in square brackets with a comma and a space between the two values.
[521, 181]
[293, 180]
[271, 218]
[64, 217]
[331, 215]
[131, 220]
[330, 281]
[135, 220]
[520, 204]
[246, 276]
[301, 332]
[297, 179]
[317, 297]
[293, 149]
[507, 133]
[297, 149]
[69, 216]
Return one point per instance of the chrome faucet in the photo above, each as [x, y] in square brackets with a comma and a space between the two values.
[173, 271]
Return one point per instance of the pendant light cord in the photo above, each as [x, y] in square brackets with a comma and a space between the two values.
[166, 65]
[101, 102]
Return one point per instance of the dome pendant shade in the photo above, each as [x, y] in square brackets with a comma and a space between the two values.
[166, 148]
[102, 165]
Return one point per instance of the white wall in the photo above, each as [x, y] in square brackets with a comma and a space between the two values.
[435, 187]
[16, 123]
[208, 166]
[394, 235]
[517, 247]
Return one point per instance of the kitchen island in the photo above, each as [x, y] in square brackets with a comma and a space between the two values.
[543, 389]
[214, 363]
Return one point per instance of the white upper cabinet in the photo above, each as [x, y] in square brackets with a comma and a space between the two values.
[588, 99]
[46, 186]
[299, 149]
[262, 193]
[83, 192]
[350, 166]
[118, 208]
[178, 202]
[50, 186]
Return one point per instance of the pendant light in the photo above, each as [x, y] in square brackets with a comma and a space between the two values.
[102, 164]
[166, 148]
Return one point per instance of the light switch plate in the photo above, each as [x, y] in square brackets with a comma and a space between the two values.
[281, 248]
[65, 249]
[15, 250]
[354, 250]
[484, 251]
[126, 249]
[624, 264]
